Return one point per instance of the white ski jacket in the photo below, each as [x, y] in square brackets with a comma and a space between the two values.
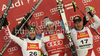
[28, 47]
[83, 39]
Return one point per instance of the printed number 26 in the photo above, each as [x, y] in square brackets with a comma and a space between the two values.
[33, 53]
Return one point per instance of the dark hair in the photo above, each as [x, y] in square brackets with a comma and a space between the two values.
[46, 17]
[74, 19]
[76, 16]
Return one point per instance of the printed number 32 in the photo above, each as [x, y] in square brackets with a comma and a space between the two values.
[84, 41]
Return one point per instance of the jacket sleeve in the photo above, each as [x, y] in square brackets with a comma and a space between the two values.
[14, 38]
[96, 24]
[44, 49]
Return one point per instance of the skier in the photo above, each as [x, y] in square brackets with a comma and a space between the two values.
[30, 46]
[54, 41]
[82, 36]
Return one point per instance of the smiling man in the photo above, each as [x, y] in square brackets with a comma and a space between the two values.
[29, 46]
[78, 23]
[54, 41]
[82, 36]
[31, 32]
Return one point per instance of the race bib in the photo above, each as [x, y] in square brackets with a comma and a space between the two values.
[55, 46]
[84, 41]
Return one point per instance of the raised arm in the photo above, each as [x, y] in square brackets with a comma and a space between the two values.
[96, 24]
[14, 38]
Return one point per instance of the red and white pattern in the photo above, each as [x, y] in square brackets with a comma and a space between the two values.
[47, 8]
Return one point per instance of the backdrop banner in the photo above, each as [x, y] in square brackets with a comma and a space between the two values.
[47, 8]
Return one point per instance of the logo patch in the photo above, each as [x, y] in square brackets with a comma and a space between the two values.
[53, 37]
[32, 46]
[82, 35]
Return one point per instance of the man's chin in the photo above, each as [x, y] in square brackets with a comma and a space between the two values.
[32, 38]
[50, 31]
[79, 28]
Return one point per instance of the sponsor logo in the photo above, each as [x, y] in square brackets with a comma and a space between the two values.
[57, 23]
[67, 46]
[98, 49]
[37, 15]
[53, 37]
[69, 6]
[54, 43]
[85, 2]
[96, 38]
[56, 46]
[82, 35]
[10, 50]
[32, 46]
[53, 10]
[17, 4]
[6, 38]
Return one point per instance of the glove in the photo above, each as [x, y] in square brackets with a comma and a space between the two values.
[85, 20]
[3, 22]
[89, 11]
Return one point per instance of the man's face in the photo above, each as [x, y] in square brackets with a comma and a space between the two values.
[78, 24]
[50, 27]
[32, 34]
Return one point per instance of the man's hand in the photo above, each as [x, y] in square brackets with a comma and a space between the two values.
[89, 11]
[3, 22]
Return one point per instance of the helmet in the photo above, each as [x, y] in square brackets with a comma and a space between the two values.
[31, 27]
[47, 21]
